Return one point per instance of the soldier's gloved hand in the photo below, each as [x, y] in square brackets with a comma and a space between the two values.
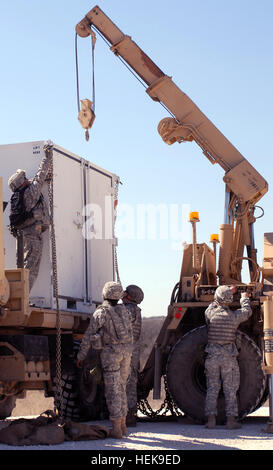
[48, 144]
[244, 294]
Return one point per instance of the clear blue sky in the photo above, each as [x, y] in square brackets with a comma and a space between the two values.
[218, 52]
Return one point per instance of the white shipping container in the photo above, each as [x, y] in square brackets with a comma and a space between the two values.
[84, 217]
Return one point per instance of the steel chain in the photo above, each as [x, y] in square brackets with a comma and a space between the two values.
[116, 186]
[58, 402]
[168, 405]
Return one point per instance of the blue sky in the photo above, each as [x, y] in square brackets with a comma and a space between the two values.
[218, 52]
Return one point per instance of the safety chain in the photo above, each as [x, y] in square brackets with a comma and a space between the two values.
[58, 402]
[168, 405]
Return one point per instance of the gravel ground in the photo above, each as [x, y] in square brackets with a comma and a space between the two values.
[181, 435]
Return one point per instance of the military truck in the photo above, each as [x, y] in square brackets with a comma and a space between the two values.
[179, 351]
[40, 330]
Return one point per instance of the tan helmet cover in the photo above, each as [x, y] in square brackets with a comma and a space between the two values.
[112, 290]
[16, 180]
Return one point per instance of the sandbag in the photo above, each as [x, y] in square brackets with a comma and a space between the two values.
[47, 429]
[84, 432]
[44, 430]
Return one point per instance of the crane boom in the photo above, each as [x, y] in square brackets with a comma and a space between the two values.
[191, 123]
[244, 185]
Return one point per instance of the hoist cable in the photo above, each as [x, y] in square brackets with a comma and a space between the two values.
[132, 71]
[93, 72]
[93, 79]
[77, 71]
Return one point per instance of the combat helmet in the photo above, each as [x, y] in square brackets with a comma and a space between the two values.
[112, 290]
[135, 293]
[223, 295]
[16, 180]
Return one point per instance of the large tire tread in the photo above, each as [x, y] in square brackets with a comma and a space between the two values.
[186, 377]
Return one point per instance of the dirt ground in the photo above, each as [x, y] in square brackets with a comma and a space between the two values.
[154, 436]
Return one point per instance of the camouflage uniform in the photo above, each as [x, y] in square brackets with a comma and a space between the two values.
[131, 390]
[114, 327]
[133, 295]
[221, 364]
[39, 220]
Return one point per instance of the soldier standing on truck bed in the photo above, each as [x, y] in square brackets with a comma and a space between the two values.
[221, 364]
[133, 296]
[110, 331]
[29, 215]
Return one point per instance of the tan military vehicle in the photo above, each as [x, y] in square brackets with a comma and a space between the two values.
[40, 330]
[178, 353]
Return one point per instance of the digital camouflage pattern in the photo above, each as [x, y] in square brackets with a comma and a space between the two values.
[114, 325]
[115, 362]
[131, 390]
[223, 322]
[221, 365]
[136, 320]
[32, 196]
[16, 180]
[33, 227]
[112, 290]
[223, 295]
[223, 369]
[33, 245]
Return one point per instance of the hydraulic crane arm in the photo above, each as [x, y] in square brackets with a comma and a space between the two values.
[244, 185]
[191, 123]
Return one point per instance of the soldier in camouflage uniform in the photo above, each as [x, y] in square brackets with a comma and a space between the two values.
[110, 330]
[29, 215]
[221, 364]
[133, 296]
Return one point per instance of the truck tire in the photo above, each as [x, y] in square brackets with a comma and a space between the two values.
[91, 389]
[69, 390]
[6, 406]
[186, 380]
[82, 391]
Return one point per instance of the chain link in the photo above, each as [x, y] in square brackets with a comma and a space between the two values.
[116, 187]
[58, 403]
[143, 405]
[167, 406]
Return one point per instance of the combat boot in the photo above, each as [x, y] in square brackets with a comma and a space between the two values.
[123, 426]
[131, 417]
[211, 423]
[232, 423]
[116, 432]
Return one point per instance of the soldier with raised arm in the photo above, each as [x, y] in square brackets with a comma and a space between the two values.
[221, 365]
[29, 214]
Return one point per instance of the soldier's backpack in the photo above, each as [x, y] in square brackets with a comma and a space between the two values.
[18, 212]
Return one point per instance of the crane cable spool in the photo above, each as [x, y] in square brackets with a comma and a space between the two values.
[86, 113]
[58, 402]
